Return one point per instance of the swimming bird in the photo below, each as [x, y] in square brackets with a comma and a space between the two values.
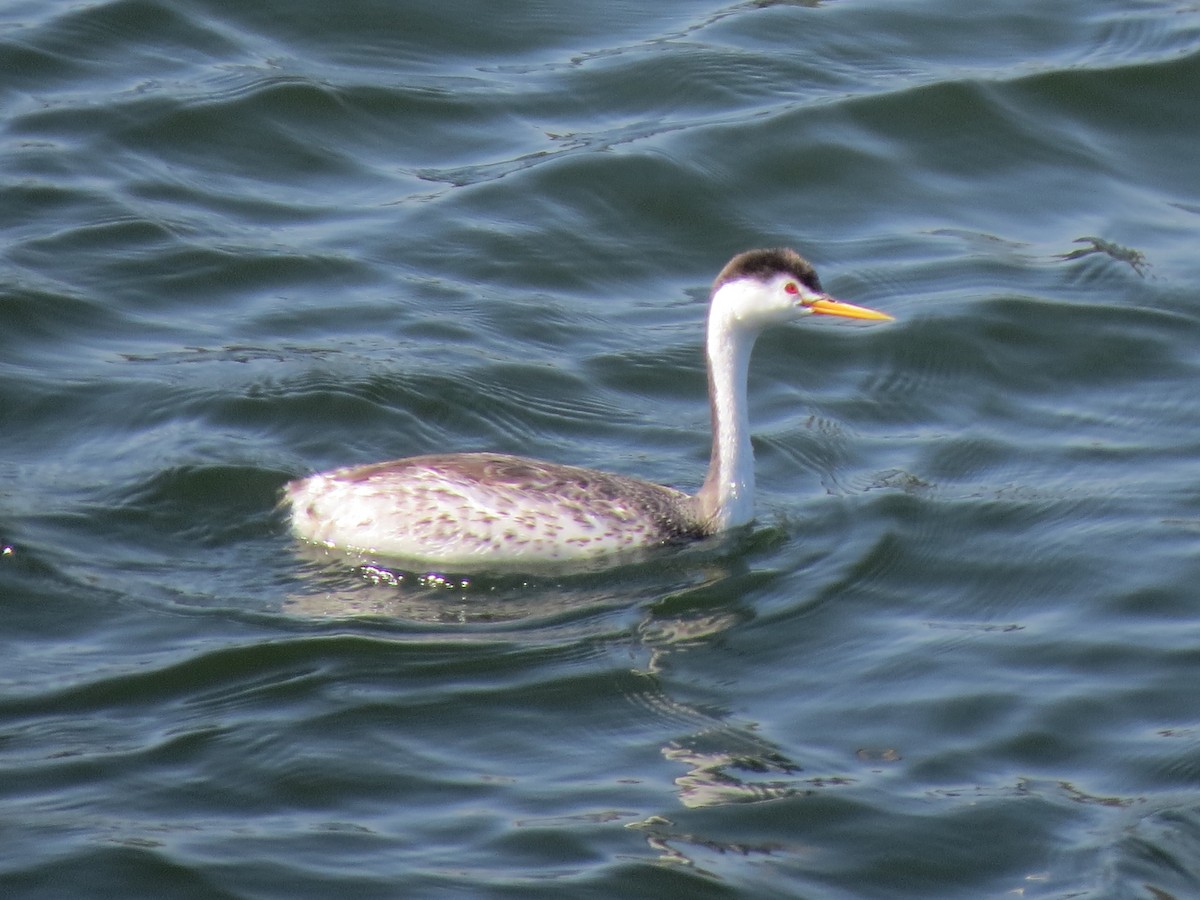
[476, 510]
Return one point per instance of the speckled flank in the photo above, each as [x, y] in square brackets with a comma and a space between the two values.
[472, 507]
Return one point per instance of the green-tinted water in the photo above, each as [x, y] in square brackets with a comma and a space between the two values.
[956, 657]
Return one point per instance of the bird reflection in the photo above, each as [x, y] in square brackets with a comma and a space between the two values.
[676, 604]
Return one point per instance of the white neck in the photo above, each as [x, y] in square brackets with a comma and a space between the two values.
[727, 498]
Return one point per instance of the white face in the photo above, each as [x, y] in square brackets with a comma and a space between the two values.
[757, 304]
[798, 293]
[754, 303]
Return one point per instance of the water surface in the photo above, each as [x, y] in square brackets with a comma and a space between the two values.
[956, 656]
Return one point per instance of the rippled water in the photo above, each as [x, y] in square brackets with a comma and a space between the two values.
[957, 656]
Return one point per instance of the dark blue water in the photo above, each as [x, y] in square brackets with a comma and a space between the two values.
[958, 654]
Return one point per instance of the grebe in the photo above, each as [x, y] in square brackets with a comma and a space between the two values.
[481, 509]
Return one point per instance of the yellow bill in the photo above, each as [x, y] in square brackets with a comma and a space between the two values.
[830, 307]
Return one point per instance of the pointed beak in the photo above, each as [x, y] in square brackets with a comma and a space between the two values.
[830, 307]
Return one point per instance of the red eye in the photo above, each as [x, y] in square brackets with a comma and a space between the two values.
[791, 288]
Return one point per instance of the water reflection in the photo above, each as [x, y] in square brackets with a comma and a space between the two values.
[524, 601]
[674, 604]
